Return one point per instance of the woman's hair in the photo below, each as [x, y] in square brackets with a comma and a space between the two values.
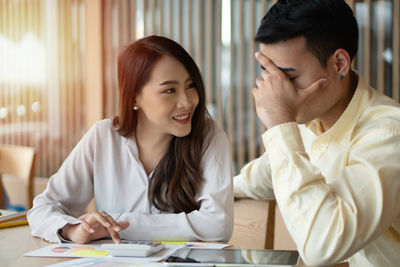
[177, 177]
[327, 25]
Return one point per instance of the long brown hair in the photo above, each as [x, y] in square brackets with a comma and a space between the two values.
[177, 177]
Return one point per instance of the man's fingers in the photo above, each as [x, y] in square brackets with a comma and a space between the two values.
[313, 88]
[264, 75]
[318, 84]
[259, 81]
[266, 63]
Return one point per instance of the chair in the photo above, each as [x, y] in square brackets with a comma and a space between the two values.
[254, 225]
[18, 161]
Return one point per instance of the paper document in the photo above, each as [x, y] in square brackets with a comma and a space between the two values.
[203, 245]
[93, 262]
[93, 250]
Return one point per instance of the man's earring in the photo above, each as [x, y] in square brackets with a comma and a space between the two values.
[341, 76]
[135, 108]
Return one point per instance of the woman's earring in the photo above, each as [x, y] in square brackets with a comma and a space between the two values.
[135, 108]
[341, 76]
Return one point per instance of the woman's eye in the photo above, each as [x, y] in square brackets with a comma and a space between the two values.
[292, 78]
[192, 85]
[171, 90]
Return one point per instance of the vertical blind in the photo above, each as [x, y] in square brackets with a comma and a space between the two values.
[219, 35]
[42, 63]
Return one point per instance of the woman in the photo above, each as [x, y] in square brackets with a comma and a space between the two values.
[160, 170]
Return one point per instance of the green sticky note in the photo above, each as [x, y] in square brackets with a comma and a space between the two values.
[173, 242]
[90, 253]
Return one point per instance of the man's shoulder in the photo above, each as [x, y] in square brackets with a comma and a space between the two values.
[381, 113]
[377, 99]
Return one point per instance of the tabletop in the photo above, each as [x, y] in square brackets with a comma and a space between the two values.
[16, 241]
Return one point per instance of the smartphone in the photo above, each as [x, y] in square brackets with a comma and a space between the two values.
[233, 257]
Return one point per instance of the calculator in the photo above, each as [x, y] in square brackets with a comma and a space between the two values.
[133, 248]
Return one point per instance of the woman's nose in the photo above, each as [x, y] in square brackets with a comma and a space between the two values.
[184, 100]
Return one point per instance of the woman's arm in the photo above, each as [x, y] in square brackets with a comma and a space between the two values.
[94, 225]
[212, 222]
[67, 194]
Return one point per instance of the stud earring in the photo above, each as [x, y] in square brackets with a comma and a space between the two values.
[341, 76]
[135, 108]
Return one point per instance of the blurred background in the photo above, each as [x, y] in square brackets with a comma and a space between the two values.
[58, 63]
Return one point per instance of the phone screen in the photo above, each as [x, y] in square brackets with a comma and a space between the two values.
[235, 256]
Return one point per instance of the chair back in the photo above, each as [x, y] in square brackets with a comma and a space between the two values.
[254, 224]
[18, 161]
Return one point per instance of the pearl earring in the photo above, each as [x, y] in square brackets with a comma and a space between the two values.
[135, 108]
[341, 76]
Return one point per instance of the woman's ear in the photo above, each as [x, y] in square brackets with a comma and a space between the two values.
[342, 61]
[136, 101]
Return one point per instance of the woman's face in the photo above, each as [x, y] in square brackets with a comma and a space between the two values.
[168, 100]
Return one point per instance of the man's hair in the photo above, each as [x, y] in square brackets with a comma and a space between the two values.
[327, 25]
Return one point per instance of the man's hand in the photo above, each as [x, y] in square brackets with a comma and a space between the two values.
[94, 225]
[276, 99]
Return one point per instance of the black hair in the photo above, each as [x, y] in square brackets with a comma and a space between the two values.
[327, 25]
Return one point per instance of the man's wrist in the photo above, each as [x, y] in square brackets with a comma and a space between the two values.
[271, 120]
[277, 121]
[288, 132]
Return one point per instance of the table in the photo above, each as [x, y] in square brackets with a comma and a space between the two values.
[16, 241]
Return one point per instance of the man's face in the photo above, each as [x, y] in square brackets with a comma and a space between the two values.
[303, 69]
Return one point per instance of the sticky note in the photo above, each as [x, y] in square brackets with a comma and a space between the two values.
[90, 253]
[173, 242]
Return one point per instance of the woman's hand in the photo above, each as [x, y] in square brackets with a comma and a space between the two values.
[94, 225]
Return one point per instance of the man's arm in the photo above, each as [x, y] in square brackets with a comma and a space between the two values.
[254, 180]
[332, 221]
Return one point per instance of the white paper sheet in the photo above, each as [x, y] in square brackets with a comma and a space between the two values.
[102, 262]
[203, 245]
[93, 250]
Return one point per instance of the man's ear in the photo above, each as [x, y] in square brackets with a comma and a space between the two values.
[342, 61]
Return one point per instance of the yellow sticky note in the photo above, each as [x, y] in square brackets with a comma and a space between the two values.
[173, 242]
[90, 253]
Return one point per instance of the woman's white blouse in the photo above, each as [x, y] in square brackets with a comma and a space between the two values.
[106, 166]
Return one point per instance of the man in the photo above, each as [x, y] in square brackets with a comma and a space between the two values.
[332, 157]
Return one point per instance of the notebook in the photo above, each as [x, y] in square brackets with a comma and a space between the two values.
[10, 218]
